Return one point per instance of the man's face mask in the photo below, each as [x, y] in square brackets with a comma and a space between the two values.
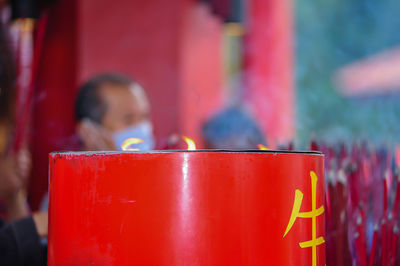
[143, 131]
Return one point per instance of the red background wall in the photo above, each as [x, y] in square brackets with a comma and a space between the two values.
[173, 48]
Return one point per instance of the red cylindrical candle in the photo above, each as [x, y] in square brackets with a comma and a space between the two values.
[187, 208]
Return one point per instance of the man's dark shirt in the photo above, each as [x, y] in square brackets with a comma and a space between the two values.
[20, 244]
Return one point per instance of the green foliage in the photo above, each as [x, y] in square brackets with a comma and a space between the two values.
[332, 33]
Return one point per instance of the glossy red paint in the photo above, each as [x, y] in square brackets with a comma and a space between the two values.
[183, 208]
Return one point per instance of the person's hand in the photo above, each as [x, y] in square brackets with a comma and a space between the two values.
[95, 137]
[10, 181]
[174, 142]
[24, 164]
[14, 172]
[41, 220]
[16, 206]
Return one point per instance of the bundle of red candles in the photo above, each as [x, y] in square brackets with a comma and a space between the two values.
[362, 205]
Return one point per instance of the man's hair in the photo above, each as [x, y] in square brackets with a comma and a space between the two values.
[233, 128]
[89, 104]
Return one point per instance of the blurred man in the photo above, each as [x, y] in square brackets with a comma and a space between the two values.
[111, 108]
[232, 128]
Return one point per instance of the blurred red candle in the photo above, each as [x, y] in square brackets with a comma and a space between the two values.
[187, 208]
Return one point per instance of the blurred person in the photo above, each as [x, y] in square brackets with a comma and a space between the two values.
[111, 108]
[20, 237]
[232, 128]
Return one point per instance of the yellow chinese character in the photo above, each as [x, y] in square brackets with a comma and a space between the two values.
[314, 213]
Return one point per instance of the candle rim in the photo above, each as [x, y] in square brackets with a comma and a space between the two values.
[305, 152]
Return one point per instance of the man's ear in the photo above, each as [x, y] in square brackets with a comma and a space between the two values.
[79, 128]
[83, 131]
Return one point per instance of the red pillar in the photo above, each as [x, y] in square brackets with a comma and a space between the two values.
[53, 112]
[201, 69]
[268, 66]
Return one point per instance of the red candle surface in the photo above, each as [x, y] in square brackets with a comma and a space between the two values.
[187, 208]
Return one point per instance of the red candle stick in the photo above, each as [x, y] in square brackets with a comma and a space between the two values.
[371, 259]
